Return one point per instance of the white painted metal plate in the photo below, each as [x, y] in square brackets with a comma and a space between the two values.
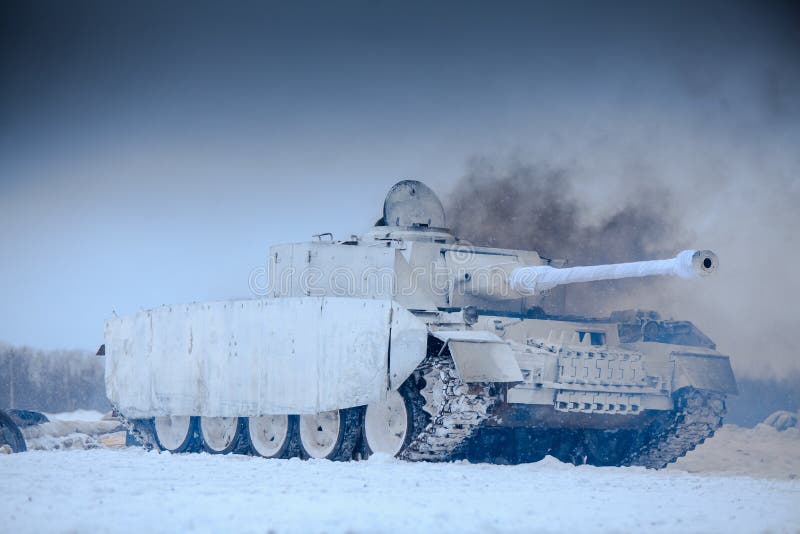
[485, 362]
[704, 371]
[409, 345]
[481, 356]
[253, 357]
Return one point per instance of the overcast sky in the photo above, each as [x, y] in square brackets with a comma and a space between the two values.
[151, 152]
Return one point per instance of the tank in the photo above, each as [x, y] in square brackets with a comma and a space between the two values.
[406, 341]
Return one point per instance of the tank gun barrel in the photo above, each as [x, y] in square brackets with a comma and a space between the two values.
[687, 264]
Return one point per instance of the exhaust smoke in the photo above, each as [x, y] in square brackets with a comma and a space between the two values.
[542, 208]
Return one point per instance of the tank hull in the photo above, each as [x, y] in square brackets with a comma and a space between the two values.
[295, 356]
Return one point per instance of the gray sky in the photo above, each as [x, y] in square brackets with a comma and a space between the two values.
[151, 153]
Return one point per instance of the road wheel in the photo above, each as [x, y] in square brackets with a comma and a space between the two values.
[176, 433]
[10, 434]
[220, 434]
[391, 424]
[273, 436]
[330, 435]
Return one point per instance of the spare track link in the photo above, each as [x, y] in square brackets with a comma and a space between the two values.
[456, 410]
[698, 415]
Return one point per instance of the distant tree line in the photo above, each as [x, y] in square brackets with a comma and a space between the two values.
[51, 381]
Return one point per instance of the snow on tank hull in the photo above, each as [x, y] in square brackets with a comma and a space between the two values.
[410, 342]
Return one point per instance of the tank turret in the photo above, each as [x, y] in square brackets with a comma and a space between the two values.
[412, 213]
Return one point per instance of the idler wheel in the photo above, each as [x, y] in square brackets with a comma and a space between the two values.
[220, 434]
[175, 433]
[273, 436]
[330, 435]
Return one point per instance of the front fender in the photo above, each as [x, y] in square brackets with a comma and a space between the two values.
[710, 372]
[481, 356]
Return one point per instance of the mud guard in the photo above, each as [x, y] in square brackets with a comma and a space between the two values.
[407, 346]
[709, 372]
[481, 356]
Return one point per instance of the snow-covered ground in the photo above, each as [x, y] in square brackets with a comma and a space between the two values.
[759, 452]
[742, 480]
[129, 490]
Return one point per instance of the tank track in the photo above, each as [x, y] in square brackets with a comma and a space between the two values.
[456, 410]
[139, 429]
[697, 416]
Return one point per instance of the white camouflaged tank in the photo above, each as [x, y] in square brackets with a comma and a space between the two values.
[406, 341]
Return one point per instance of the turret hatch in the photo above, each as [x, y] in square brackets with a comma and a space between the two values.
[411, 203]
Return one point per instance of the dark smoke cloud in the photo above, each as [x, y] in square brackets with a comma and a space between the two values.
[696, 151]
[544, 208]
